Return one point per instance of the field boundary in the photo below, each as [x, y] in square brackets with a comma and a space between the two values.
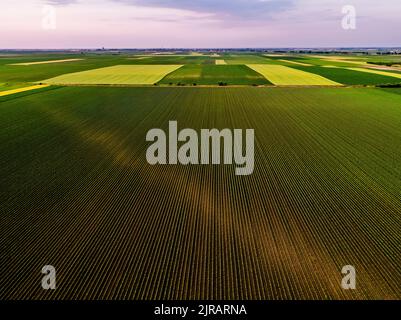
[373, 71]
[213, 86]
[24, 89]
[44, 62]
[28, 93]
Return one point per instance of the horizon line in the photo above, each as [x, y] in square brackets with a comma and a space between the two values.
[203, 48]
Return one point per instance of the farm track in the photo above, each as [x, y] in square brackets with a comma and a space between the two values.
[80, 195]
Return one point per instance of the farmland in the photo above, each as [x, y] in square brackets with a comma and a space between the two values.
[78, 193]
[349, 76]
[383, 73]
[214, 74]
[13, 73]
[295, 62]
[316, 61]
[325, 193]
[245, 59]
[125, 74]
[199, 69]
[282, 75]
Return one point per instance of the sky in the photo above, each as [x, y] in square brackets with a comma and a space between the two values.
[73, 24]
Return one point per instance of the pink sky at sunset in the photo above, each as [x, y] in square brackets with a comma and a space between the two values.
[205, 23]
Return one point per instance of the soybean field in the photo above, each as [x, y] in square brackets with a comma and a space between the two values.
[78, 193]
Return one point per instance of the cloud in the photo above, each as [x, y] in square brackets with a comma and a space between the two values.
[237, 8]
[199, 23]
[60, 2]
[234, 8]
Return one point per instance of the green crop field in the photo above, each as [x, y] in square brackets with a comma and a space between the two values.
[175, 59]
[77, 188]
[282, 75]
[317, 60]
[14, 73]
[396, 58]
[214, 74]
[350, 77]
[245, 59]
[123, 74]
